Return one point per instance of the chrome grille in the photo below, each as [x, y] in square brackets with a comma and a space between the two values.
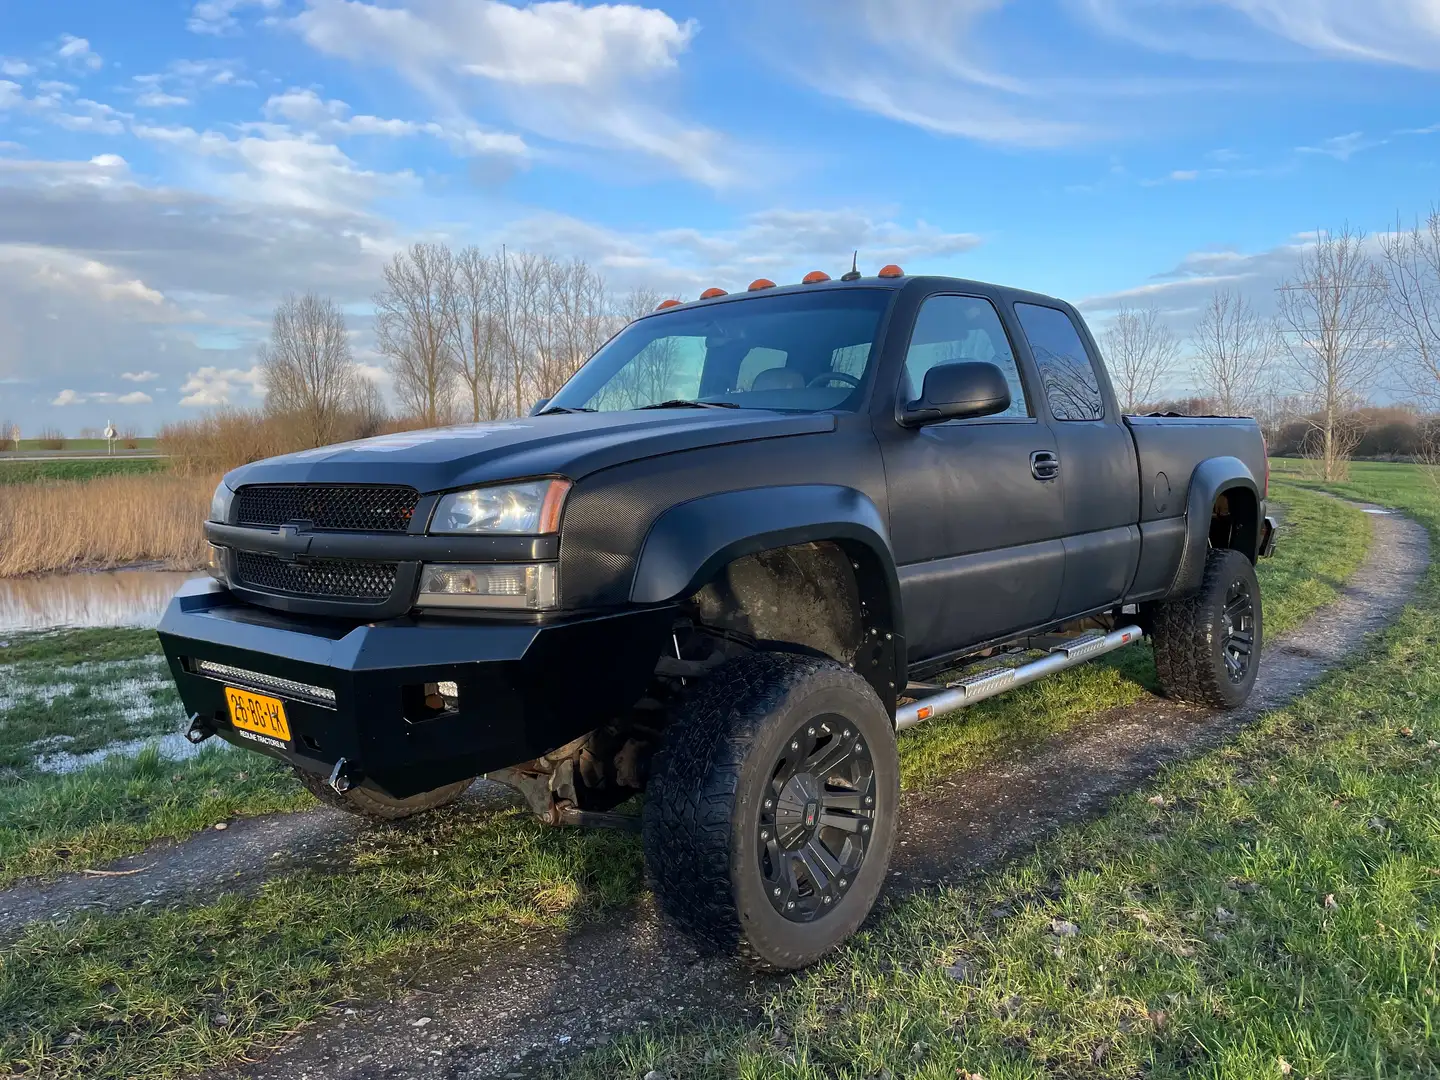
[351, 507]
[336, 578]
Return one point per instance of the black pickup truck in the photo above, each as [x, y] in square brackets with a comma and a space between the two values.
[736, 552]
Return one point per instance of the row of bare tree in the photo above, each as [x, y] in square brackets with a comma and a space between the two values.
[467, 335]
[1351, 312]
[485, 335]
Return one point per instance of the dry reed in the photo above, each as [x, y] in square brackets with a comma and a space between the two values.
[105, 522]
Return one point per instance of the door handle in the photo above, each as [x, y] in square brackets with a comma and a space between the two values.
[1044, 465]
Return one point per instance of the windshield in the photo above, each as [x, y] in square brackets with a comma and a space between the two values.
[804, 351]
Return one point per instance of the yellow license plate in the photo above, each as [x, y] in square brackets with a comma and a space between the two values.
[258, 714]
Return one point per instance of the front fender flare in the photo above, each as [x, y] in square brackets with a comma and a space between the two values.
[1211, 479]
[690, 543]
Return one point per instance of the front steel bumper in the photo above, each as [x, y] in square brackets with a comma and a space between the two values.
[524, 687]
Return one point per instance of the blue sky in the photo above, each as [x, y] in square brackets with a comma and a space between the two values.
[168, 169]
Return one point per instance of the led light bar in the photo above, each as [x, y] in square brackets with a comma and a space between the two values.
[256, 680]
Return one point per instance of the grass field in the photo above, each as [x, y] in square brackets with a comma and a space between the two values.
[137, 993]
[33, 445]
[29, 472]
[1271, 909]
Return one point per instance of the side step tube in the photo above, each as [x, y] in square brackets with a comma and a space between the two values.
[987, 684]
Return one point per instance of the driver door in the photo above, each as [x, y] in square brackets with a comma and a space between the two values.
[977, 526]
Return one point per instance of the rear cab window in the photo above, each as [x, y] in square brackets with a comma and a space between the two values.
[1072, 388]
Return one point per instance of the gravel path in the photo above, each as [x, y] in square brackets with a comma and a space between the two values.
[515, 1015]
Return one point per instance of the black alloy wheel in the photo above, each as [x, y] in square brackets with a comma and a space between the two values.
[1237, 627]
[817, 818]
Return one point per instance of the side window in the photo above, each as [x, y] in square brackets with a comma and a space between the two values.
[961, 328]
[1071, 387]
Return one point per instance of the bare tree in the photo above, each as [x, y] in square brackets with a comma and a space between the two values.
[1233, 350]
[309, 371]
[479, 345]
[1140, 351]
[414, 327]
[1333, 316]
[1411, 261]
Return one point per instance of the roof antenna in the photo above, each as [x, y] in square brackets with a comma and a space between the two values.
[854, 273]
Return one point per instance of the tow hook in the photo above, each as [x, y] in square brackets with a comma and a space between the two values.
[343, 777]
[199, 730]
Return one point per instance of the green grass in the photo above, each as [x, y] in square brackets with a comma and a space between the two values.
[29, 472]
[139, 993]
[56, 708]
[33, 445]
[1270, 909]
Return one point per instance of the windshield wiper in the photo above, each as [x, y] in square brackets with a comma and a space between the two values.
[562, 409]
[686, 403]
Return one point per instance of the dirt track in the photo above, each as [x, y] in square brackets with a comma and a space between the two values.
[513, 1015]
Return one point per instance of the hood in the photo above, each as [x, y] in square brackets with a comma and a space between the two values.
[562, 444]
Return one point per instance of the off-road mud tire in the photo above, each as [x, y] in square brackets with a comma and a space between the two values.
[367, 802]
[708, 781]
[1189, 637]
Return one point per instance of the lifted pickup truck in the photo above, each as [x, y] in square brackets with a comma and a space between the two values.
[722, 566]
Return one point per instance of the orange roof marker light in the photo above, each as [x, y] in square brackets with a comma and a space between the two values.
[814, 277]
[668, 303]
[891, 271]
[710, 294]
[761, 283]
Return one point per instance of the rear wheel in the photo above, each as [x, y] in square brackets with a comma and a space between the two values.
[770, 813]
[372, 803]
[1207, 646]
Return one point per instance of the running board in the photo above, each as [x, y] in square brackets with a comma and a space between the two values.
[986, 684]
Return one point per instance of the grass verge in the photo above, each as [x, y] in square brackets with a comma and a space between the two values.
[1270, 909]
[30, 472]
[157, 993]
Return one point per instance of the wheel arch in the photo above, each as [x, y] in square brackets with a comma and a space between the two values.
[691, 546]
[1223, 509]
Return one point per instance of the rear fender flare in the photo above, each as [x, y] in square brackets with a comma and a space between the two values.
[1212, 478]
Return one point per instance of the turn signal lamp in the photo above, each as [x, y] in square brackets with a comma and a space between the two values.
[814, 277]
[891, 271]
[710, 294]
[761, 283]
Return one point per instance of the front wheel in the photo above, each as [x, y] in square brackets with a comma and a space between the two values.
[770, 813]
[1207, 645]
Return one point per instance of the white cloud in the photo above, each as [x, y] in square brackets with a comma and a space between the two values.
[68, 397]
[1388, 31]
[269, 163]
[305, 109]
[100, 397]
[135, 397]
[63, 270]
[779, 244]
[10, 95]
[77, 51]
[1342, 147]
[16, 69]
[212, 386]
[579, 75]
[160, 99]
[1181, 175]
[139, 376]
[218, 16]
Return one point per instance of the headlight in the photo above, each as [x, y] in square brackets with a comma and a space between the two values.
[517, 587]
[220, 504]
[529, 508]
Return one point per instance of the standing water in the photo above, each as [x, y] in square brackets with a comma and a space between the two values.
[103, 598]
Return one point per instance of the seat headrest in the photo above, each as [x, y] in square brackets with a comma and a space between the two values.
[778, 378]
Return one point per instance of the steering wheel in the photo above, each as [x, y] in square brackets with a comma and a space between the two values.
[826, 377]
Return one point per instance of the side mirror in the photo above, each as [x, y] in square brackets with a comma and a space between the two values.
[957, 391]
[535, 409]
